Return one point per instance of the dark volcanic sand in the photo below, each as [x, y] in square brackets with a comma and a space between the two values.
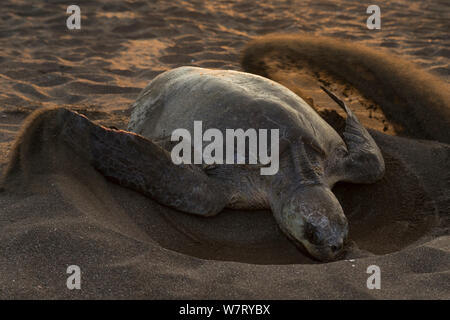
[59, 211]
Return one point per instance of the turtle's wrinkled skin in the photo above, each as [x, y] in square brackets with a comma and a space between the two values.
[312, 155]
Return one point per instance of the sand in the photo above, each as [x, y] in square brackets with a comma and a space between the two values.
[56, 210]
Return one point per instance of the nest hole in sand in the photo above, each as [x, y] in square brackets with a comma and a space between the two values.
[384, 217]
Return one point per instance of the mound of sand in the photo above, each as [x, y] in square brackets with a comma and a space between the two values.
[415, 101]
[56, 210]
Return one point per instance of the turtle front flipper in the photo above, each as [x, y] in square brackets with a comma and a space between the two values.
[363, 162]
[126, 158]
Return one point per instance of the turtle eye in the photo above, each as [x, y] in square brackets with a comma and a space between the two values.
[311, 234]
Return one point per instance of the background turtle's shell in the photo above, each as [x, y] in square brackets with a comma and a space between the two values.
[226, 99]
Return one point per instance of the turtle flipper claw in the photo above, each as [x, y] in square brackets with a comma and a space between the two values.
[364, 162]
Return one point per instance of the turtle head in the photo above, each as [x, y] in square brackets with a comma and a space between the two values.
[312, 217]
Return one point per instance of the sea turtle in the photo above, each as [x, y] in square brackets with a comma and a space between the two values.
[312, 155]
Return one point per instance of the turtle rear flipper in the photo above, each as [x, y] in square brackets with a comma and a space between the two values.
[126, 158]
[363, 163]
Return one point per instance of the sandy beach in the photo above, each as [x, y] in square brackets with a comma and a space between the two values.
[56, 210]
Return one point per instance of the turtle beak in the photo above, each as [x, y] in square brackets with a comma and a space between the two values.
[326, 253]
